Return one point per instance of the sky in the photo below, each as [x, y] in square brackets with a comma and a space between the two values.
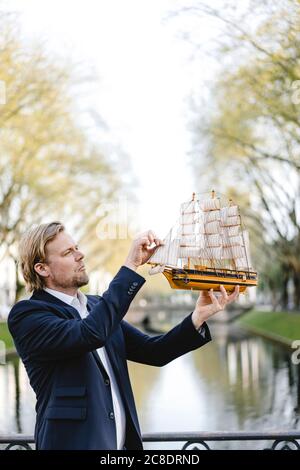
[146, 80]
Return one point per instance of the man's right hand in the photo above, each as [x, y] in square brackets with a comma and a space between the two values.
[140, 251]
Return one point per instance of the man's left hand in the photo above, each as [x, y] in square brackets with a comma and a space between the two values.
[208, 304]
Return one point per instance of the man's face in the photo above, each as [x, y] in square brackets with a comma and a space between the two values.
[65, 266]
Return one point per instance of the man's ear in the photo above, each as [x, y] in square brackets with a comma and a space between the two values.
[42, 269]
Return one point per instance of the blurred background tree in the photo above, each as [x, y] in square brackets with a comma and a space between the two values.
[50, 167]
[246, 136]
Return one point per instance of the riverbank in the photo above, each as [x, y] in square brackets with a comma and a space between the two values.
[283, 327]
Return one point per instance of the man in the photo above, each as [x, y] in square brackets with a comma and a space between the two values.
[75, 347]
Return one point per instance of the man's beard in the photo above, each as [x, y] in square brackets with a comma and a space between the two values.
[82, 280]
[79, 280]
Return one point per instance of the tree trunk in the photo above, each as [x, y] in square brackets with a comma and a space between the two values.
[296, 281]
[284, 287]
[19, 287]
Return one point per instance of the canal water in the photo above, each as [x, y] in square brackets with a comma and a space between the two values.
[238, 382]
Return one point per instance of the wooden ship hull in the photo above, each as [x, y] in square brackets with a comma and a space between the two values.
[193, 279]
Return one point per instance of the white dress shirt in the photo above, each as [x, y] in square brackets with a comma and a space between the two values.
[80, 303]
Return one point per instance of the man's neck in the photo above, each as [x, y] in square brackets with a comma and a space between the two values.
[65, 290]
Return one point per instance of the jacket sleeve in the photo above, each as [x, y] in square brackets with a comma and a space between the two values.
[40, 334]
[162, 349]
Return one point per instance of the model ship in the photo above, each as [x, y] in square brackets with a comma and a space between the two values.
[208, 247]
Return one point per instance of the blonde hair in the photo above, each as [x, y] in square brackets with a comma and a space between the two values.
[32, 250]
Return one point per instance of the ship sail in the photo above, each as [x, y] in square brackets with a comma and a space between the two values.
[188, 247]
[209, 234]
[244, 262]
[157, 269]
[167, 254]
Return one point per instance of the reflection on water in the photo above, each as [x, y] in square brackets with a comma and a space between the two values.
[236, 382]
[17, 400]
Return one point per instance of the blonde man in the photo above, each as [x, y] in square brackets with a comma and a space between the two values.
[75, 347]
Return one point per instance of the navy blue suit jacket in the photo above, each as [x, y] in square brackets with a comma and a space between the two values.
[58, 348]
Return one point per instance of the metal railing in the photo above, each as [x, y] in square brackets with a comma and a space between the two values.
[289, 440]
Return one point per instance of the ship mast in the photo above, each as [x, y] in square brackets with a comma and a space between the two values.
[189, 259]
[232, 261]
[213, 195]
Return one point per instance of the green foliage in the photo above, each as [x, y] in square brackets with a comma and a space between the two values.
[51, 166]
[253, 134]
[5, 336]
[283, 324]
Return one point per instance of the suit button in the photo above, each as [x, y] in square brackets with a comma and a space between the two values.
[111, 415]
[135, 283]
[106, 381]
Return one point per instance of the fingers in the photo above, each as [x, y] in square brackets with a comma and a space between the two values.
[224, 298]
[207, 297]
[211, 295]
[203, 298]
[209, 304]
[152, 250]
[148, 238]
[234, 294]
[215, 306]
[158, 242]
[144, 241]
[213, 298]
[151, 236]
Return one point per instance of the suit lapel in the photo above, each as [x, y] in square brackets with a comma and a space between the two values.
[95, 353]
[69, 312]
[72, 312]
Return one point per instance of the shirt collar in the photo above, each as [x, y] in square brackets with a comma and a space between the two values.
[68, 299]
